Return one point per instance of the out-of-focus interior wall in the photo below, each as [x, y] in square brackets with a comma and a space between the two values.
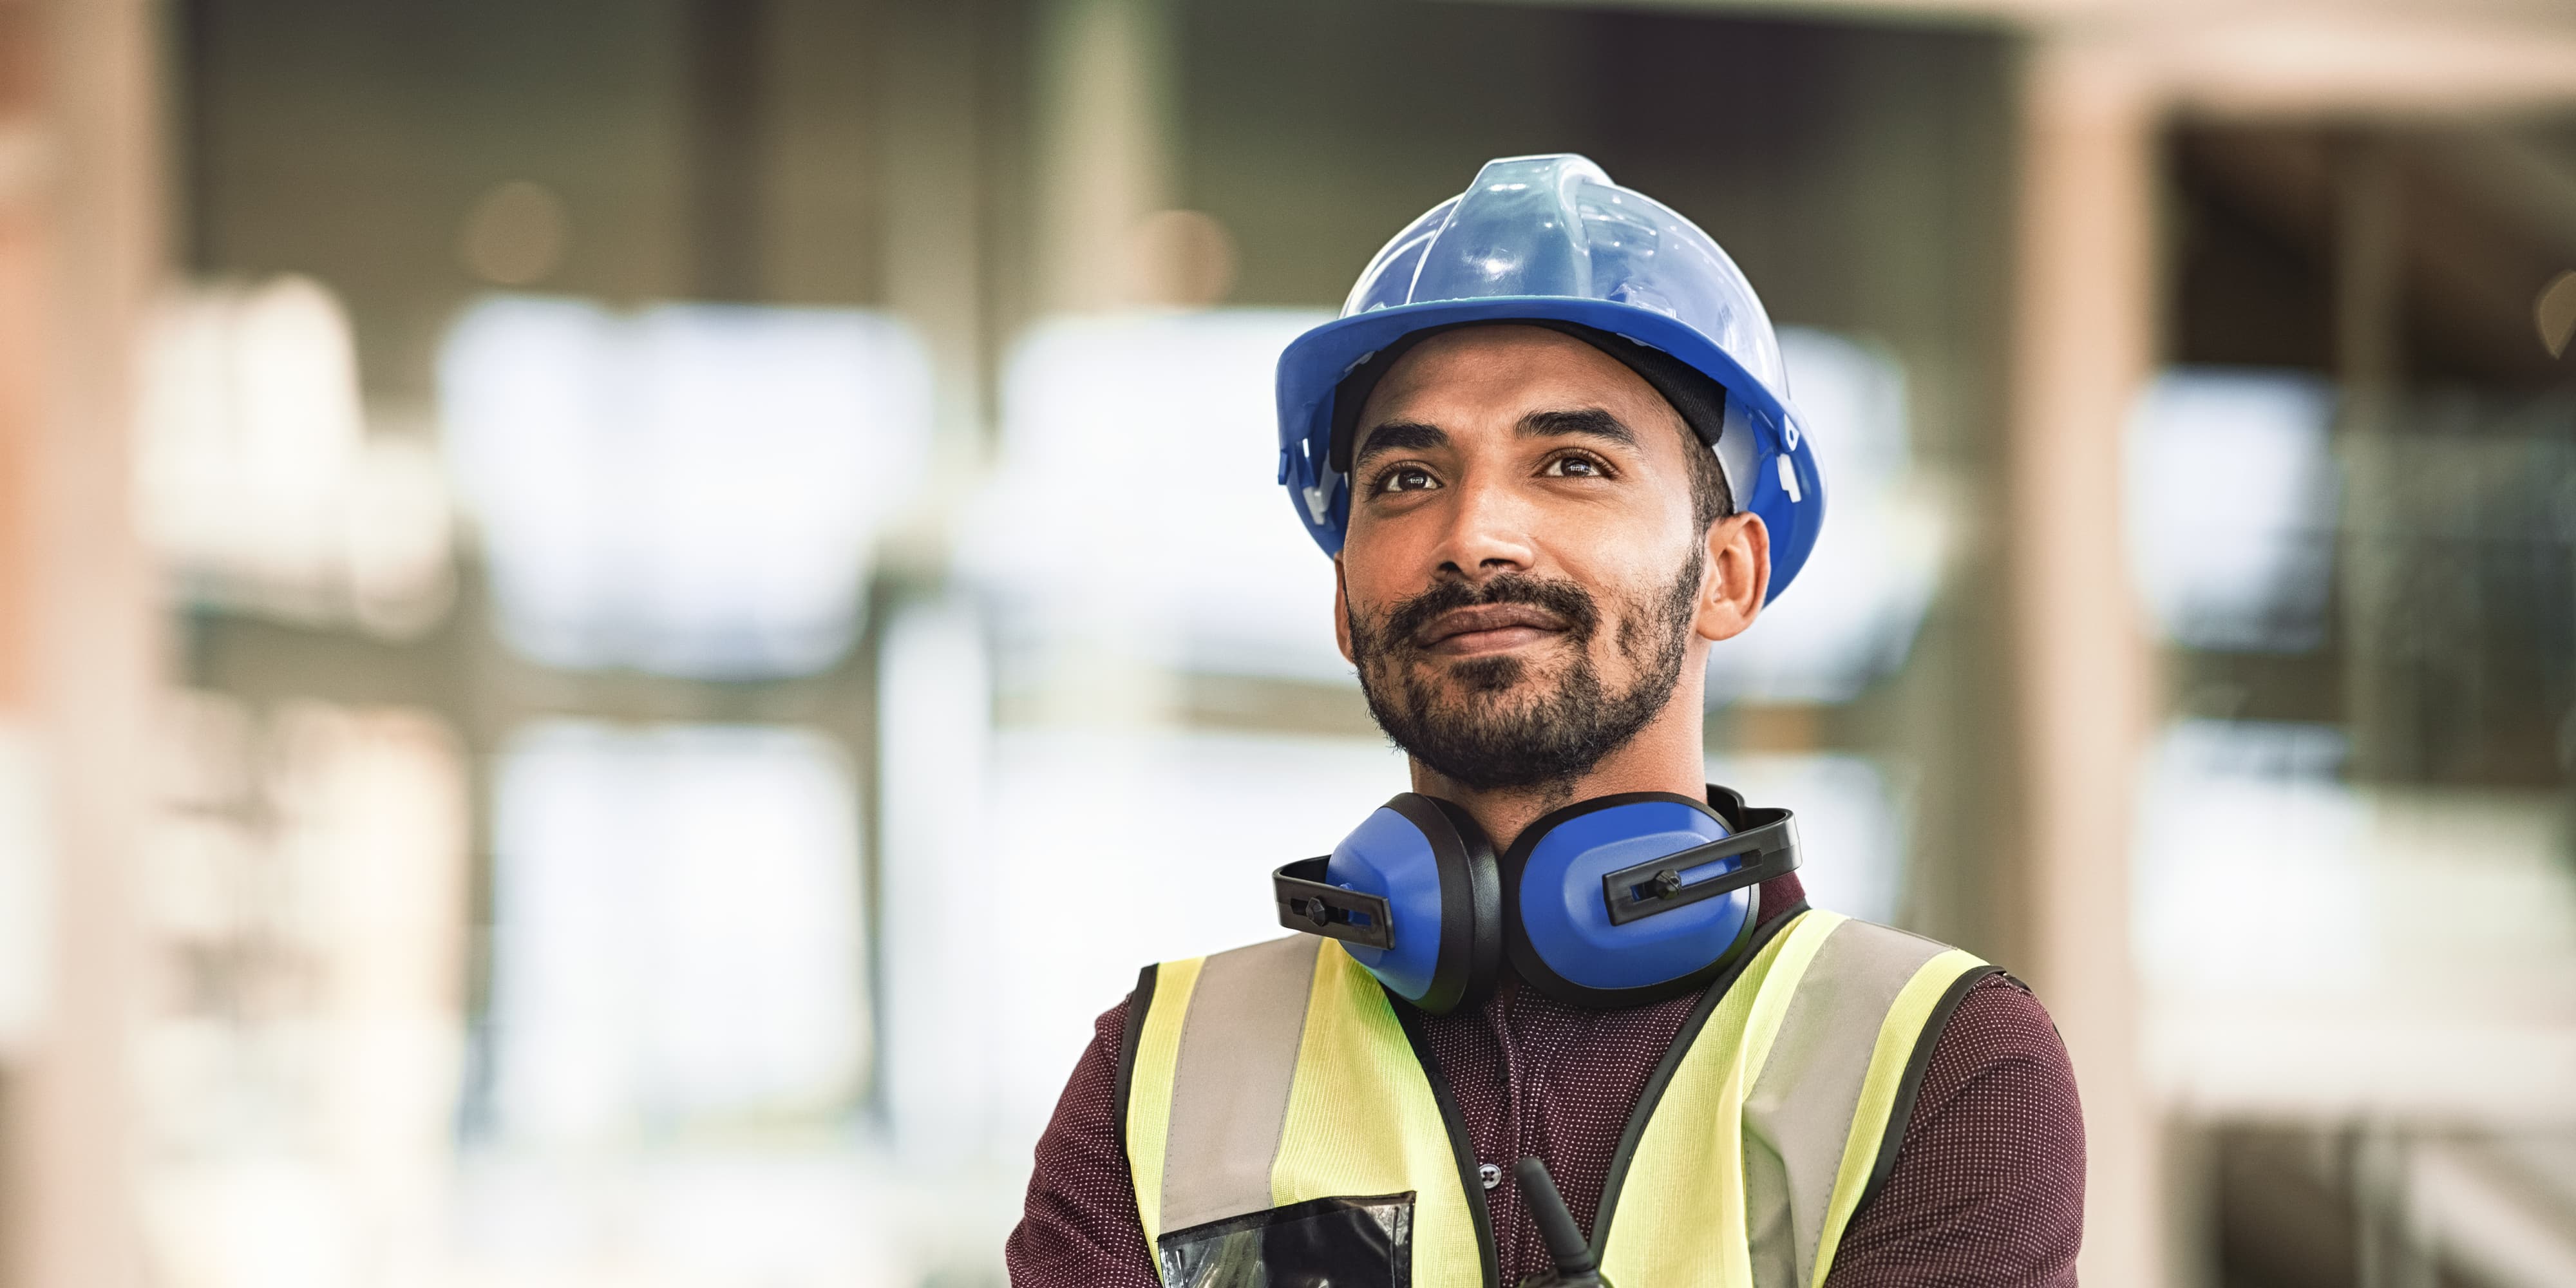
[696, 539]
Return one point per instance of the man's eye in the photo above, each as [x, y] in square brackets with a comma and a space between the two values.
[1581, 467]
[1407, 478]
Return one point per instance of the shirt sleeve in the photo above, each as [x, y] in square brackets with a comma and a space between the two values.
[1988, 1186]
[1079, 1228]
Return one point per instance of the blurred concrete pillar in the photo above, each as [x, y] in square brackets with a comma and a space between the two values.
[2085, 315]
[2379, 714]
[80, 249]
[727, 99]
[936, 209]
[1104, 148]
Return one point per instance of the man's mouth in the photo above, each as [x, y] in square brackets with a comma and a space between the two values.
[1487, 628]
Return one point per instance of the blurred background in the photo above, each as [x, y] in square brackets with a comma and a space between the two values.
[619, 620]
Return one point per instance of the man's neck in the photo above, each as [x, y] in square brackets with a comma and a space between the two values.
[1665, 756]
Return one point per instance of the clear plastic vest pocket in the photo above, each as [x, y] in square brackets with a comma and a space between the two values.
[1335, 1242]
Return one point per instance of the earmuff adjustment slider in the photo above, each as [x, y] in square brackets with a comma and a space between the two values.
[1656, 885]
[1310, 904]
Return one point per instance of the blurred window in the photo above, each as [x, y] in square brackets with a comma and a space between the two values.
[2232, 490]
[1111, 849]
[692, 489]
[256, 477]
[2311, 945]
[303, 891]
[2324, 879]
[1137, 506]
[1852, 616]
[678, 935]
[2256, 810]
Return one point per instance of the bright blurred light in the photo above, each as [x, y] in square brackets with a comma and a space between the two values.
[2315, 948]
[691, 489]
[1110, 850]
[256, 478]
[296, 1078]
[678, 934]
[727, 1215]
[1852, 615]
[935, 734]
[2253, 810]
[2231, 502]
[1851, 830]
[1136, 506]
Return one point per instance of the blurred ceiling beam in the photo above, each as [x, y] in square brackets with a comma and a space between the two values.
[2272, 58]
[934, 75]
[1105, 151]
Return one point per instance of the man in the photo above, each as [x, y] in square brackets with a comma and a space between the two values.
[1550, 446]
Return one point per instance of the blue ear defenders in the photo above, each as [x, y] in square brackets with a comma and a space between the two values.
[1615, 901]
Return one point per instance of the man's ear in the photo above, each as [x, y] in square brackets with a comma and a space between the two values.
[1738, 577]
[1342, 613]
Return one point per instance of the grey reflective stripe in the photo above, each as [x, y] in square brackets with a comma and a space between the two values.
[1230, 1080]
[1799, 1113]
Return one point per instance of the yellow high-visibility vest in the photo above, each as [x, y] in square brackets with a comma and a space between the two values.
[1281, 1124]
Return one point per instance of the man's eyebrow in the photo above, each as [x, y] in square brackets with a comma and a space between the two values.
[1590, 421]
[1399, 436]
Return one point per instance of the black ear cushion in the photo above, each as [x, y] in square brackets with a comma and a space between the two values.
[1471, 902]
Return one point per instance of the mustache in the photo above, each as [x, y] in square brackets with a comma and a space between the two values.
[1565, 599]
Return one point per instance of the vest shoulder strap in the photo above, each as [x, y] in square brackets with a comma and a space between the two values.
[1831, 1095]
[1767, 1133]
[1277, 1075]
[1208, 1080]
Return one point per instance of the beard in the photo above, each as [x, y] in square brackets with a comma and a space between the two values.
[1491, 736]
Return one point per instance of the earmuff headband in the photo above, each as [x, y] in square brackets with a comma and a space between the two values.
[1423, 862]
[1658, 885]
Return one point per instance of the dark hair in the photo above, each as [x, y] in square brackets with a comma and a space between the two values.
[1711, 498]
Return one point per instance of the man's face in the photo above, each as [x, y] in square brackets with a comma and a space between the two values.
[1524, 585]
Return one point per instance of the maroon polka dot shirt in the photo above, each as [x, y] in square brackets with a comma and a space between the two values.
[1987, 1191]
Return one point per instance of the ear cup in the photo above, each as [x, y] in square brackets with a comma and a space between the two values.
[1560, 933]
[1443, 888]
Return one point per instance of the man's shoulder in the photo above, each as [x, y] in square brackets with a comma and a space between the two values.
[1990, 1170]
[2000, 1020]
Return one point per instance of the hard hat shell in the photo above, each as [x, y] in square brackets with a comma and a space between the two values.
[1552, 238]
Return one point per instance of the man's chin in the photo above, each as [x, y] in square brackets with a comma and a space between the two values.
[1486, 686]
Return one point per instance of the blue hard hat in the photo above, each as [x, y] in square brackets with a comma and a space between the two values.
[1550, 239]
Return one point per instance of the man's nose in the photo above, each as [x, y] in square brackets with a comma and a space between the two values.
[1488, 533]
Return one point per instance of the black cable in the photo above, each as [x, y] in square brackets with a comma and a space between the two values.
[1575, 1267]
